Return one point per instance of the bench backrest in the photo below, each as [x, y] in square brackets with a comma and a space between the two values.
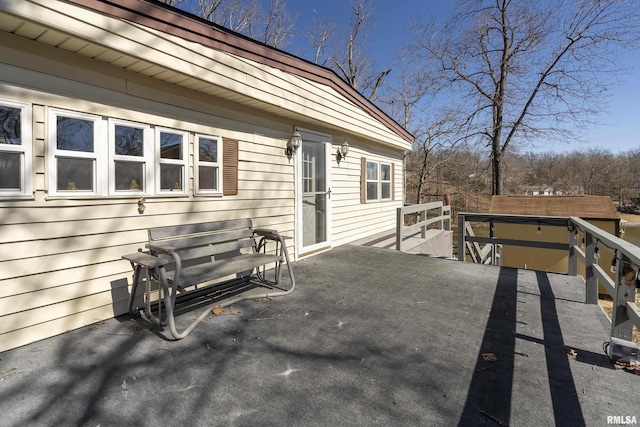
[201, 241]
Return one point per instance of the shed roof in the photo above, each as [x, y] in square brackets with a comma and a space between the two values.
[588, 207]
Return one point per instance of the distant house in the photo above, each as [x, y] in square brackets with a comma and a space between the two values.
[534, 190]
[597, 210]
[119, 116]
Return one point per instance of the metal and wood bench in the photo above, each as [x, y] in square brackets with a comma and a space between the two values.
[206, 264]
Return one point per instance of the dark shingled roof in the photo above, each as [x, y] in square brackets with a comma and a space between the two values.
[587, 207]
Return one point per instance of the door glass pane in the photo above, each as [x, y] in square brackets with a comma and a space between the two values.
[9, 125]
[129, 176]
[314, 167]
[10, 171]
[74, 134]
[314, 219]
[314, 199]
[129, 141]
[75, 174]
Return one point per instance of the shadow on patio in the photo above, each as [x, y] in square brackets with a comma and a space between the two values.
[370, 337]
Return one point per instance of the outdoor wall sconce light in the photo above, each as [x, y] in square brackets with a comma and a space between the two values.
[342, 151]
[293, 144]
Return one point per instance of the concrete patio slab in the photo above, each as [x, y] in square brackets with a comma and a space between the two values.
[369, 337]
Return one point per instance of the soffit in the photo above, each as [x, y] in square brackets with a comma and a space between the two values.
[42, 33]
[36, 27]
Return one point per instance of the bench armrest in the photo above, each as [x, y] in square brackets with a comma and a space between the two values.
[269, 234]
[145, 259]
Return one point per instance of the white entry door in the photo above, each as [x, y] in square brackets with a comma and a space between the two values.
[314, 193]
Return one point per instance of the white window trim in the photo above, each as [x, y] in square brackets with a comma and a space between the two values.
[25, 148]
[198, 163]
[385, 181]
[98, 154]
[376, 181]
[148, 158]
[379, 181]
[160, 161]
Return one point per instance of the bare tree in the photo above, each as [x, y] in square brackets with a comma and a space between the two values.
[434, 146]
[319, 34]
[277, 24]
[530, 70]
[174, 3]
[272, 27]
[346, 53]
[438, 132]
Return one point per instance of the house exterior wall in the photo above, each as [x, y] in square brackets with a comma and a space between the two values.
[352, 219]
[60, 256]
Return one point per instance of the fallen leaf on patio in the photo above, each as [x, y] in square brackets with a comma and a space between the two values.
[489, 357]
[234, 312]
[572, 352]
[6, 373]
[217, 310]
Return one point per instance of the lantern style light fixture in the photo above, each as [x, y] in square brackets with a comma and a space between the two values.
[293, 144]
[343, 151]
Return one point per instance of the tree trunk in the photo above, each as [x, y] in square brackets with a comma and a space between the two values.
[497, 177]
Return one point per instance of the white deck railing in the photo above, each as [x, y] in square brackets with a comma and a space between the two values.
[626, 258]
[425, 215]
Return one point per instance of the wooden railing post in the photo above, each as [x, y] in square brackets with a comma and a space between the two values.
[591, 279]
[461, 237]
[573, 256]
[399, 224]
[621, 324]
[449, 218]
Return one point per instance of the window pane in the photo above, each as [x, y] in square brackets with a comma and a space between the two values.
[372, 190]
[10, 171]
[170, 146]
[372, 171]
[385, 172]
[129, 176]
[386, 190]
[208, 178]
[129, 141]
[75, 174]
[171, 177]
[9, 126]
[208, 150]
[74, 134]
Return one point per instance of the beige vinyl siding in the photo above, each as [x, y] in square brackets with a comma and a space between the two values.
[217, 73]
[353, 220]
[60, 258]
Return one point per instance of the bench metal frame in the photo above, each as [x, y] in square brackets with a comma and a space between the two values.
[221, 262]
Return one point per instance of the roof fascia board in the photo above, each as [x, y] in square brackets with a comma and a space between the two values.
[191, 28]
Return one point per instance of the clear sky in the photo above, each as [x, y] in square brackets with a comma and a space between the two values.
[620, 120]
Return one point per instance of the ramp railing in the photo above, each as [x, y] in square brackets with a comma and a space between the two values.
[419, 218]
[584, 243]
